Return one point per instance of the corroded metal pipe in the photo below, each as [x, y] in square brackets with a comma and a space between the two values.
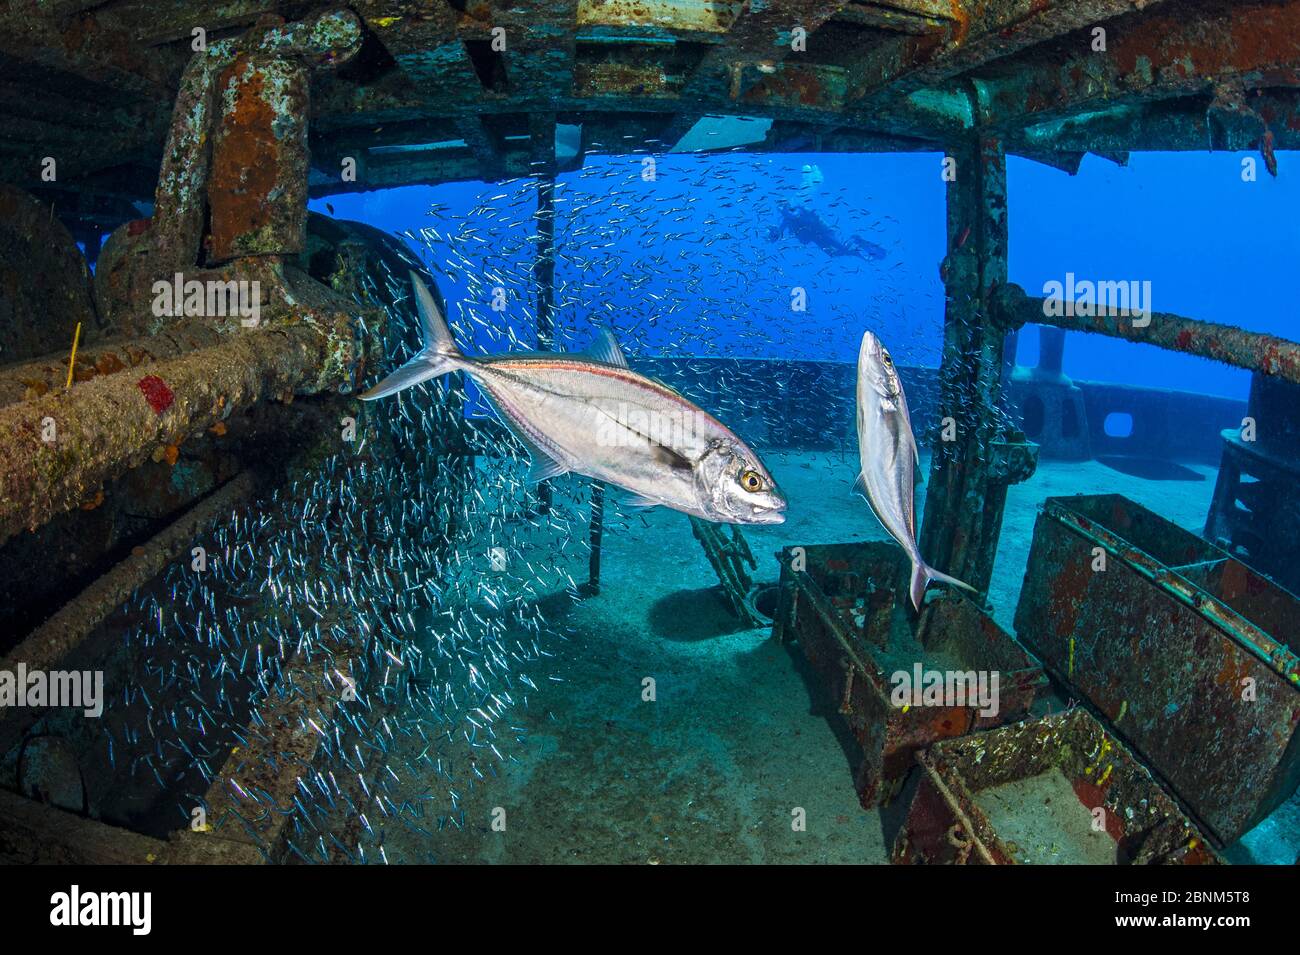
[59, 450]
[49, 644]
[1254, 351]
[53, 640]
[27, 380]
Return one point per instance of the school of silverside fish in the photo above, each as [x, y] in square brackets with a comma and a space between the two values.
[417, 586]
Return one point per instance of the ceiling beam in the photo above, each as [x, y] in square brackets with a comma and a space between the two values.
[980, 33]
[1153, 55]
[89, 48]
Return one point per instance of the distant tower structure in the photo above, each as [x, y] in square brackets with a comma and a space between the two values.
[1255, 512]
[1051, 406]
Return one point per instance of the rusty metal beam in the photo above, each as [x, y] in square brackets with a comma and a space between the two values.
[978, 34]
[89, 49]
[179, 397]
[760, 36]
[250, 800]
[46, 646]
[884, 17]
[1266, 354]
[49, 643]
[1171, 51]
[1265, 120]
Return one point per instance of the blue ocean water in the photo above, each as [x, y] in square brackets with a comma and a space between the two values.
[685, 256]
[1213, 247]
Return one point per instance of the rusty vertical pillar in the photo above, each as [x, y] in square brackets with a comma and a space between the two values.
[963, 505]
[260, 159]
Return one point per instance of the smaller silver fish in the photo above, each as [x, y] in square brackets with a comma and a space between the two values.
[888, 458]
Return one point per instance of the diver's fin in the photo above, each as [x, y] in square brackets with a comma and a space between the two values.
[922, 574]
[606, 349]
[438, 356]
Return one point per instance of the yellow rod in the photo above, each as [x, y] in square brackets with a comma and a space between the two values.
[76, 337]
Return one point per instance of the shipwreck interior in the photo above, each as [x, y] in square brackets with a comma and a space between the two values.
[325, 627]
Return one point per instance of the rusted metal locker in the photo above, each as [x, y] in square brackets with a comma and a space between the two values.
[1188, 653]
[1059, 790]
[846, 605]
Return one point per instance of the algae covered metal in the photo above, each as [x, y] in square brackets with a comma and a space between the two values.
[1050, 791]
[845, 604]
[1190, 654]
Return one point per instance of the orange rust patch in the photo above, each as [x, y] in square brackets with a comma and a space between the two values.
[1241, 40]
[245, 161]
[108, 363]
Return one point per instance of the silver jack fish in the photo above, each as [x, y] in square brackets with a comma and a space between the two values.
[888, 457]
[590, 414]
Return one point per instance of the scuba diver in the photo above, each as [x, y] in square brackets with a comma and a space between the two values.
[800, 220]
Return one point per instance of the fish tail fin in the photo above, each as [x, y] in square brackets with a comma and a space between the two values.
[439, 355]
[923, 573]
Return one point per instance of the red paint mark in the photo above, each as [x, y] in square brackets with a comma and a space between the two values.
[156, 392]
[1092, 797]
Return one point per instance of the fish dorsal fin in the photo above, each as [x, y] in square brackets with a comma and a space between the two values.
[606, 349]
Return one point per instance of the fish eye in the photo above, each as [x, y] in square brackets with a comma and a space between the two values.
[889, 362]
[751, 481]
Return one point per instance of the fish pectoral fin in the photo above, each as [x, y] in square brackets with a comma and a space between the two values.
[543, 467]
[606, 349]
[640, 500]
[860, 487]
[671, 458]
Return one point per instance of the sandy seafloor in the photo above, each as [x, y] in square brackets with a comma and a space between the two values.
[712, 770]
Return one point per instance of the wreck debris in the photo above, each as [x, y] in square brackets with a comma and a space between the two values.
[1255, 513]
[844, 604]
[1201, 679]
[732, 560]
[953, 809]
[248, 230]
